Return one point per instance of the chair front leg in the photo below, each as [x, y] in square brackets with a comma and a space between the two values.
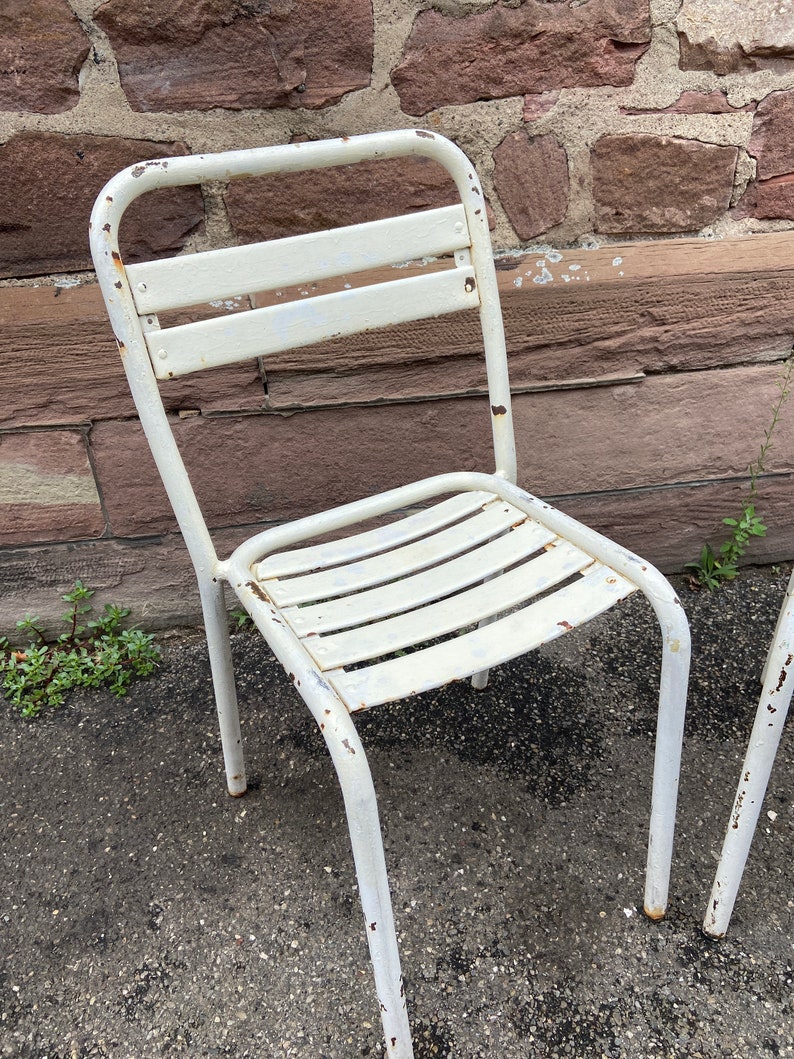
[216, 626]
[361, 809]
[676, 652]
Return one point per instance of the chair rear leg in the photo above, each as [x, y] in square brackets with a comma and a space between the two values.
[216, 625]
[667, 757]
[361, 809]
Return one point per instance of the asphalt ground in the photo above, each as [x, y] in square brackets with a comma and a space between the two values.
[144, 913]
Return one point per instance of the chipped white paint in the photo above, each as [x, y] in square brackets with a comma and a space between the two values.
[773, 707]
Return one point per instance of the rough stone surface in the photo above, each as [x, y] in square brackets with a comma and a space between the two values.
[47, 489]
[42, 48]
[509, 51]
[343, 454]
[772, 143]
[729, 36]
[42, 325]
[268, 208]
[273, 467]
[715, 102]
[772, 199]
[659, 183]
[537, 106]
[46, 228]
[531, 178]
[224, 53]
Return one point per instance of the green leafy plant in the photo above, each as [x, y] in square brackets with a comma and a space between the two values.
[712, 568]
[90, 653]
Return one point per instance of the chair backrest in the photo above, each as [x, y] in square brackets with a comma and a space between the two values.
[137, 295]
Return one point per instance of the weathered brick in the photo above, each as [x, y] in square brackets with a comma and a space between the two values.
[531, 179]
[735, 37]
[659, 183]
[271, 207]
[42, 48]
[273, 467]
[510, 51]
[45, 229]
[772, 199]
[317, 459]
[771, 142]
[223, 53]
[43, 325]
[47, 489]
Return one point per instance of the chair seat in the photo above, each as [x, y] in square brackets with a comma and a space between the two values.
[433, 597]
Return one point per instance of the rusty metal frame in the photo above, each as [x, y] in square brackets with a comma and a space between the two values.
[140, 352]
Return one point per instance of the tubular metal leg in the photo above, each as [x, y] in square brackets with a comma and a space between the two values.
[667, 758]
[365, 836]
[759, 759]
[216, 625]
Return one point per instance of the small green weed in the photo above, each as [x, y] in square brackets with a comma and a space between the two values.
[712, 568]
[89, 654]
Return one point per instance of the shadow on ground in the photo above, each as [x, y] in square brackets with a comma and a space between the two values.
[144, 913]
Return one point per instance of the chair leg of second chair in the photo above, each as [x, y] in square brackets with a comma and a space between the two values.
[761, 750]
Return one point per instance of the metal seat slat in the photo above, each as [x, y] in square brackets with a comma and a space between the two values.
[360, 545]
[485, 647]
[496, 517]
[423, 587]
[439, 619]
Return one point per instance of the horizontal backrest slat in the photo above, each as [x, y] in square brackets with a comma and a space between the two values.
[216, 274]
[258, 332]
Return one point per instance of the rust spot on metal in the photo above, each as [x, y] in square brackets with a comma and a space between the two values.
[565, 624]
[108, 198]
[424, 135]
[373, 927]
[781, 680]
[394, 1039]
[118, 285]
[771, 708]
[106, 227]
[469, 284]
[258, 591]
[477, 213]
[322, 726]
[498, 410]
[347, 746]
[139, 170]
[115, 255]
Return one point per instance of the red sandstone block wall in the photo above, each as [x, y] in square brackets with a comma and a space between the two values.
[638, 161]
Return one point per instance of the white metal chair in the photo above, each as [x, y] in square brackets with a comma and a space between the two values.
[760, 757]
[479, 574]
